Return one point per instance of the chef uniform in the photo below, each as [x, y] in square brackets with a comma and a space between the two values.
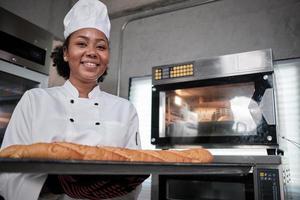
[58, 114]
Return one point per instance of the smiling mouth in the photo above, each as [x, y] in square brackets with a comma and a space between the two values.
[90, 64]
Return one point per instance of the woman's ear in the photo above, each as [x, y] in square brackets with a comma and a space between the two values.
[65, 54]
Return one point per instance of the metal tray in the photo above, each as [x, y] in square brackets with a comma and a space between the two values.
[117, 168]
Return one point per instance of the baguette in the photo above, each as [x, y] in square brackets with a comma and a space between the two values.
[72, 151]
[40, 150]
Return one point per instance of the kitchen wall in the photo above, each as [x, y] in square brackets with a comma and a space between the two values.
[222, 27]
[47, 14]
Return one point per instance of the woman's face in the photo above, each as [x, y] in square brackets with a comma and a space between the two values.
[87, 55]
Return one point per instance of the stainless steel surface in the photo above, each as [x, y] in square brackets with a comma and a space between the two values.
[16, 70]
[168, 9]
[257, 163]
[22, 29]
[113, 168]
[255, 160]
[11, 90]
[217, 146]
[116, 10]
[230, 166]
[222, 100]
[287, 79]
[224, 66]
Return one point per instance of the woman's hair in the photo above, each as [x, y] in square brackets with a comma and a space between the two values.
[62, 67]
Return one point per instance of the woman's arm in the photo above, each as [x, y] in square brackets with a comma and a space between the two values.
[134, 141]
[20, 125]
[18, 186]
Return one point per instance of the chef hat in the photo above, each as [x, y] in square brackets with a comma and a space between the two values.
[87, 14]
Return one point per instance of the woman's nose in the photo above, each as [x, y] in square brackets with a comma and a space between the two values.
[91, 52]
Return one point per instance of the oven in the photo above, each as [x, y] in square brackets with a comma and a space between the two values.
[24, 61]
[30, 49]
[224, 103]
[14, 81]
[243, 181]
[221, 101]
[227, 178]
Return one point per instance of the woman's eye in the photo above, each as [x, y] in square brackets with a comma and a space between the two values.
[101, 47]
[81, 44]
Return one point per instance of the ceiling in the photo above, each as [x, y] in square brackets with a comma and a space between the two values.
[119, 8]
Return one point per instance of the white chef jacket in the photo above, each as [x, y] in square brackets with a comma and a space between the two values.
[58, 114]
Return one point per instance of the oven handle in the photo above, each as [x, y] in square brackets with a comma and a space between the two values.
[267, 106]
[227, 170]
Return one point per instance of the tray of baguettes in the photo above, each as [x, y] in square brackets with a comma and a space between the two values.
[71, 158]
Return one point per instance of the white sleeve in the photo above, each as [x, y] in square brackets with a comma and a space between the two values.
[19, 128]
[17, 186]
[134, 141]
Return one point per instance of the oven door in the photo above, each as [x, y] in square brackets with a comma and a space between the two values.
[237, 110]
[219, 187]
[259, 184]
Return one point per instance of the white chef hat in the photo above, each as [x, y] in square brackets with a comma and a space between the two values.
[87, 14]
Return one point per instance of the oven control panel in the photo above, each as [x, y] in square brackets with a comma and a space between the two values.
[208, 68]
[174, 71]
[268, 184]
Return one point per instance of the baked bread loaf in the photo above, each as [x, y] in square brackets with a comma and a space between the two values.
[72, 151]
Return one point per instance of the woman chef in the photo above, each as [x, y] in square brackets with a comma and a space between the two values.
[79, 111]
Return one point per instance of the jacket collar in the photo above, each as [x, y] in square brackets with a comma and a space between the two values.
[71, 89]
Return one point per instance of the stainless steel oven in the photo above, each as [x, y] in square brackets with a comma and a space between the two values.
[24, 43]
[24, 61]
[228, 178]
[221, 101]
[14, 81]
[11, 90]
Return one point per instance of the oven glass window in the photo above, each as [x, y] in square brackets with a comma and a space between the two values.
[219, 110]
[206, 187]
[11, 90]
[201, 190]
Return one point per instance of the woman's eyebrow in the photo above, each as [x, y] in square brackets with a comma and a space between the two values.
[82, 37]
[87, 38]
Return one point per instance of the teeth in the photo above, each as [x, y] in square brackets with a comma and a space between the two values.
[88, 64]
